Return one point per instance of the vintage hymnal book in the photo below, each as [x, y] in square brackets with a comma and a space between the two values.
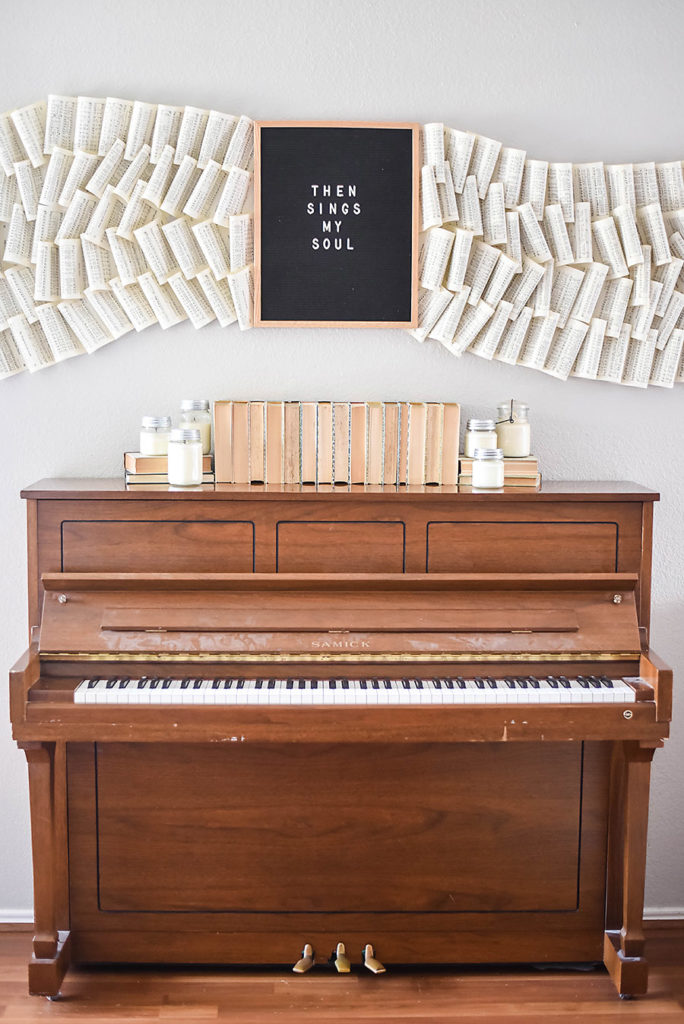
[391, 444]
[257, 440]
[417, 423]
[322, 470]
[309, 414]
[292, 444]
[357, 443]
[341, 442]
[240, 443]
[274, 442]
[434, 426]
[143, 465]
[374, 443]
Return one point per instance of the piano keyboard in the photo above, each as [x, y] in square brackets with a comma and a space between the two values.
[372, 691]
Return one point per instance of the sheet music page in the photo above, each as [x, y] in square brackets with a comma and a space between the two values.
[241, 287]
[590, 289]
[11, 361]
[241, 145]
[193, 300]
[47, 273]
[667, 360]
[483, 259]
[191, 133]
[134, 303]
[85, 324]
[214, 241]
[217, 135]
[71, 269]
[494, 215]
[19, 239]
[502, 275]
[538, 340]
[204, 197]
[165, 131]
[88, 124]
[434, 256]
[77, 216]
[140, 128]
[629, 235]
[29, 123]
[184, 247]
[445, 327]
[60, 122]
[674, 221]
[459, 149]
[47, 225]
[639, 361]
[431, 305]
[564, 349]
[613, 356]
[580, 234]
[81, 171]
[567, 282]
[431, 211]
[522, 285]
[241, 241]
[109, 311]
[107, 214]
[99, 264]
[447, 196]
[556, 234]
[641, 317]
[668, 275]
[620, 182]
[11, 151]
[608, 246]
[135, 172]
[116, 120]
[612, 304]
[161, 177]
[513, 247]
[219, 297]
[55, 177]
[560, 189]
[514, 337]
[487, 341]
[109, 170]
[29, 184]
[163, 302]
[8, 196]
[471, 215]
[533, 241]
[589, 355]
[483, 161]
[471, 323]
[460, 254]
[62, 341]
[641, 275]
[156, 251]
[22, 282]
[137, 214]
[670, 319]
[432, 138]
[541, 296]
[670, 185]
[645, 184]
[8, 304]
[590, 187]
[232, 198]
[653, 232]
[31, 343]
[533, 187]
[509, 172]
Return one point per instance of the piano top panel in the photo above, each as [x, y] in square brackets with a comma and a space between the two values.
[551, 490]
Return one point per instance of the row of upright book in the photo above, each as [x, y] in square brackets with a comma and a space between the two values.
[394, 443]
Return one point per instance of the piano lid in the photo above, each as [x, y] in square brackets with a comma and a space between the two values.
[271, 617]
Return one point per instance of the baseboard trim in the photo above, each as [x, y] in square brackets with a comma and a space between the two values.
[664, 914]
[16, 920]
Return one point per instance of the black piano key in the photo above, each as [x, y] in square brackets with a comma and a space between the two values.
[197, 684]
[240, 684]
[479, 682]
[142, 683]
[437, 684]
[595, 682]
[605, 681]
[375, 683]
[510, 682]
[332, 684]
[521, 682]
[406, 683]
[449, 683]
[123, 683]
[564, 681]
[301, 685]
[418, 684]
[154, 683]
[111, 683]
[460, 682]
[363, 685]
[92, 683]
[271, 684]
[314, 684]
[216, 684]
[227, 684]
[387, 683]
[583, 681]
[258, 684]
[553, 682]
[533, 681]
[184, 684]
[345, 684]
[491, 683]
[166, 683]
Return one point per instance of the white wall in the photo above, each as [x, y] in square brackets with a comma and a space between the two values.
[532, 73]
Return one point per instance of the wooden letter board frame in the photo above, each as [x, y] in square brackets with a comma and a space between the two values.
[259, 320]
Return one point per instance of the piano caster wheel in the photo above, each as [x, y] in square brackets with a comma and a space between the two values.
[341, 960]
[626, 995]
[54, 999]
[306, 961]
[369, 961]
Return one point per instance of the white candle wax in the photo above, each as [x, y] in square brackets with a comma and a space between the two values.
[488, 473]
[513, 438]
[185, 463]
[204, 427]
[479, 439]
[154, 442]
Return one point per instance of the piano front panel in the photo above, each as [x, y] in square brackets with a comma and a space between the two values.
[340, 546]
[436, 847]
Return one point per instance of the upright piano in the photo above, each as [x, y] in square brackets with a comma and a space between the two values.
[263, 718]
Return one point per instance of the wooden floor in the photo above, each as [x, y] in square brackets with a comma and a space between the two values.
[482, 996]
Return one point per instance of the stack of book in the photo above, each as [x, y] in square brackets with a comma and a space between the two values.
[522, 472]
[152, 469]
[336, 442]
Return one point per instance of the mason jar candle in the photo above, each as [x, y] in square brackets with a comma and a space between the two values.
[479, 434]
[513, 429]
[488, 468]
[196, 415]
[154, 435]
[185, 458]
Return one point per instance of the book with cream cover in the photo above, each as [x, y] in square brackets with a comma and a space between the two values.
[291, 444]
[308, 440]
[325, 443]
[357, 443]
[341, 437]
[257, 439]
[274, 442]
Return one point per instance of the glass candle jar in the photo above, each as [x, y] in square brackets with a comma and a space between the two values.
[185, 458]
[479, 434]
[196, 415]
[488, 468]
[513, 429]
[154, 435]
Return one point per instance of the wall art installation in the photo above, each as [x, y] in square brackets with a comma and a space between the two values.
[116, 215]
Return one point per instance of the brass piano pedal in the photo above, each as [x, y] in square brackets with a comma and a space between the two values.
[306, 961]
[341, 960]
[370, 961]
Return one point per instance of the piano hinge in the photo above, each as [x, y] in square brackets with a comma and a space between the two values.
[256, 657]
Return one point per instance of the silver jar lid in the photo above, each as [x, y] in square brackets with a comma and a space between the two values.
[194, 405]
[485, 454]
[184, 434]
[480, 425]
[156, 422]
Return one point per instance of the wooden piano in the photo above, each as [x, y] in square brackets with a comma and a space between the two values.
[257, 718]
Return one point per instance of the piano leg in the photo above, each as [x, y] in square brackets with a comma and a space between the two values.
[628, 823]
[46, 771]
